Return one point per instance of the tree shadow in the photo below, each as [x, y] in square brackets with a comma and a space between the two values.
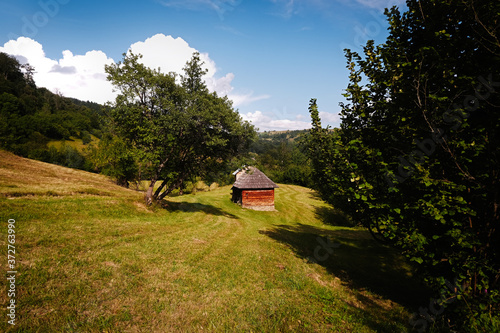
[332, 216]
[357, 259]
[193, 207]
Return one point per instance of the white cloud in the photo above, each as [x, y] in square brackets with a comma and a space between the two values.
[83, 76]
[167, 53]
[171, 54]
[267, 123]
[329, 118]
[221, 85]
[80, 76]
[245, 99]
[63, 69]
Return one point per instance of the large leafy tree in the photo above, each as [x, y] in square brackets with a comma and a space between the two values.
[174, 126]
[417, 156]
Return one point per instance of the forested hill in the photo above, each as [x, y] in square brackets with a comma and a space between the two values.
[31, 117]
[281, 156]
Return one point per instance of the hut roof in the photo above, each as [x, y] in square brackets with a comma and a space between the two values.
[253, 178]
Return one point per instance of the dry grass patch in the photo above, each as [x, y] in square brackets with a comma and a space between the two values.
[30, 178]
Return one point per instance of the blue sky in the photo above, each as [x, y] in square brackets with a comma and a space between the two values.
[269, 56]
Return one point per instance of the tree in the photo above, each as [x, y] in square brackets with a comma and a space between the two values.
[11, 77]
[112, 157]
[416, 158]
[177, 131]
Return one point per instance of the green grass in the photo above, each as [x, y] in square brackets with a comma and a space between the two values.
[92, 258]
[72, 142]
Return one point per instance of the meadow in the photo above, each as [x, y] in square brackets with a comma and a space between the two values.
[91, 257]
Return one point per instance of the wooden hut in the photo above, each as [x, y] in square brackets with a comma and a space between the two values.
[253, 189]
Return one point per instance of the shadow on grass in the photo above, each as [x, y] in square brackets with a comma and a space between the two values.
[357, 259]
[194, 207]
[333, 216]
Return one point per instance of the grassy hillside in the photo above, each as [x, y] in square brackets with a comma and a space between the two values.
[91, 257]
[72, 142]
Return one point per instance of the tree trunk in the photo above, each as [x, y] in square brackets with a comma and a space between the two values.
[149, 193]
[149, 196]
[171, 188]
[158, 191]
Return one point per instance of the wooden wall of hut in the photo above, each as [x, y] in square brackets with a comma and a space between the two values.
[252, 198]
